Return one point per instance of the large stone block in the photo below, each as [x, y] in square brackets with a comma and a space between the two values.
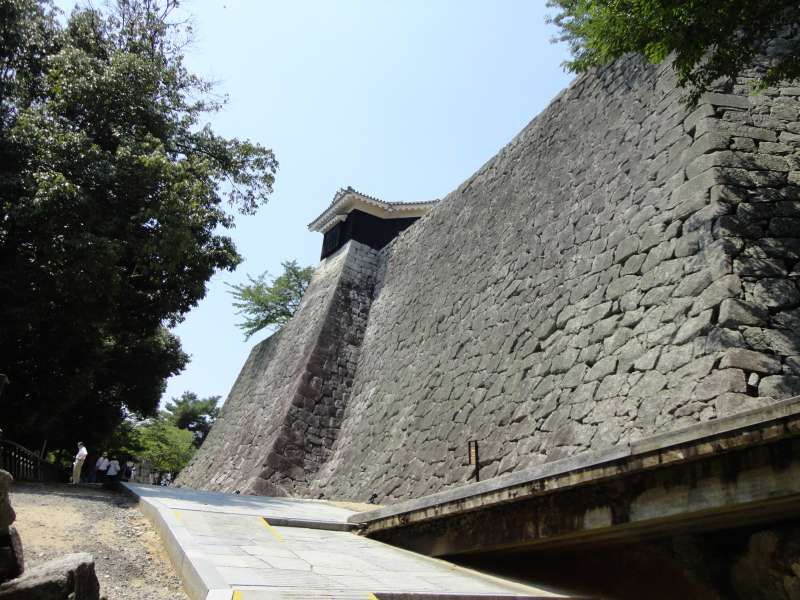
[781, 342]
[721, 382]
[725, 100]
[603, 367]
[734, 312]
[775, 293]
[12, 561]
[7, 514]
[727, 287]
[738, 160]
[693, 327]
[693, 284]
[69, 578]
[749, 360]
[733, 402]
[779, 386]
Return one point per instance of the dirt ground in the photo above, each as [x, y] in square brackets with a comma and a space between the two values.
[131, 564]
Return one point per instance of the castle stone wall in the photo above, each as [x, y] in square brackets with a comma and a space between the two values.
[625, 266]
[282, 416]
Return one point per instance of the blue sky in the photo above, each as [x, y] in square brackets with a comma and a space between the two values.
[402, 100]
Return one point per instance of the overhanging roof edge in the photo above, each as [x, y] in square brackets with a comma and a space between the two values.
[337, 207]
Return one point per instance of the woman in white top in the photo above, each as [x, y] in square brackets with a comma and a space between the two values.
[112, 473]
[100, 468]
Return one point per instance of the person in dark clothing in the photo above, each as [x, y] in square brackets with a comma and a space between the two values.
[127, 471]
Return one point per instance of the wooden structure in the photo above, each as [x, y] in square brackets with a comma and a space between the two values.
[356, 216]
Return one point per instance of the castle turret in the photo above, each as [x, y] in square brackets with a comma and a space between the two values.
[356, 216]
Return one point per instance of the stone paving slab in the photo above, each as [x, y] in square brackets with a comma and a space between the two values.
[280, 511]
[227, 547]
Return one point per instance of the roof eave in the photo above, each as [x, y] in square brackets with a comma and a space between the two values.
[349, 196]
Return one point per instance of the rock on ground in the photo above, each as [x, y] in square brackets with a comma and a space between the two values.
[71, 576]
[12, 560]
[130, 562]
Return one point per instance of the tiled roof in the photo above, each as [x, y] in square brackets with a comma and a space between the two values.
[331, 215]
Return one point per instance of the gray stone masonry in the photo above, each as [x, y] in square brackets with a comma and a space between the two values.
[624, 267]
[282, 416]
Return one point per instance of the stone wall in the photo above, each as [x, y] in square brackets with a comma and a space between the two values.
[623, 267]
[281, 418]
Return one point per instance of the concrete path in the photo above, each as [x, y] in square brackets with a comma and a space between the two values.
[228, 547]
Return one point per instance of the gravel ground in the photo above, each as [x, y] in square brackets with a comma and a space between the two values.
[130, 561]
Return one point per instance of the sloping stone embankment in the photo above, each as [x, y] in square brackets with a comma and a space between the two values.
[281, 419]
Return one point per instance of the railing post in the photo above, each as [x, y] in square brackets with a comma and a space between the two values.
[25, 465]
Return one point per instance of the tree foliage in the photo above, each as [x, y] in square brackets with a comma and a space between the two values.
[706, 40]
[193, 413]
[162, 440]
[113, 197]
[264, 303]
[124, 442]
[164, 446]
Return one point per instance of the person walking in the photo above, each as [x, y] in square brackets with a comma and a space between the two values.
[78, 464]
[100, 468]
[127, 471]
[112, 473]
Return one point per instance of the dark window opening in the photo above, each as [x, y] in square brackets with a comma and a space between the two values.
[365, 228]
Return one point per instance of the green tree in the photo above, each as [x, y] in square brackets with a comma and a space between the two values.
[114, 197]
[264, 303]
[165, 446]
[193, 414]
[707, 40]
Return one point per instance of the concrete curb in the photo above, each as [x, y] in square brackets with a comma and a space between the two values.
[200, 580]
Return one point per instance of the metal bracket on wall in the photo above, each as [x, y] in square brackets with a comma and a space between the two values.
[472, 450]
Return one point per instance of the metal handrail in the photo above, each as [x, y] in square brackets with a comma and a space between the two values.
[25, 465]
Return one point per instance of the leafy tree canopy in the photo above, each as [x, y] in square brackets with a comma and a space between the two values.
[707, 40]
[193, 413]
[156, 439]
[264, 303]
[114, 197]
[164, 446]
[124, 442]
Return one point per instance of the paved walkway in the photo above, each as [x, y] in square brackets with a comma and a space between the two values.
[229, 547]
